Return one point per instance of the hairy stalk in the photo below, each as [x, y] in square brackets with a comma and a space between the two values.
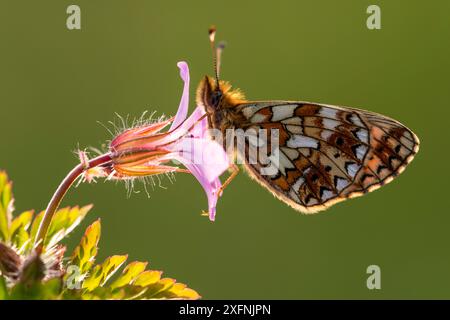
[61, 191]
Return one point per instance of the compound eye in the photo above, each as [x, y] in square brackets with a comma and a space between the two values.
[216, 97]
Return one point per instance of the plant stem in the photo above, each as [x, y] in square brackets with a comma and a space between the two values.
[61, 191]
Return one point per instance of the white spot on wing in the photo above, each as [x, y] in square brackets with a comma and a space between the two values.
[362, 135]
[327, 194]
[258, 118]
[355, 120]
[294, 196]
[330, 124]
[341, 183]
[328, 112]
[250, 110]
[299, 141]
[361, 151]
[325, 134]
[298, 184]
[352, 169]
[283, 112]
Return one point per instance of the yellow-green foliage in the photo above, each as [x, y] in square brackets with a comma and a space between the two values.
[28, 274]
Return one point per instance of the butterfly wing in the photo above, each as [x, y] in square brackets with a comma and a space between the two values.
[328, 153]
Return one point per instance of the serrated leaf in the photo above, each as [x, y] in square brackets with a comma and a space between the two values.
[147, 278]
[3, 179]
[7, 195]
[63, 222]
[129, 274]
[128, 292]
[147, 285]
[84, 254]
[5, 205]
[101, 273]
[19, 228]
[155, 290]
[106, 293]
[178, 291]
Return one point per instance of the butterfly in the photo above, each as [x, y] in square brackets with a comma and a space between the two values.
[327, 153]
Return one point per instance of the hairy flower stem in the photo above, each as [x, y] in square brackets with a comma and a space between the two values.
[61, 191]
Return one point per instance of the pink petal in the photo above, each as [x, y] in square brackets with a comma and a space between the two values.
[201, 126]
[207, 161]
[184, 102]
[198, 128]
[196, 124]
[211, 188]
[206, 154]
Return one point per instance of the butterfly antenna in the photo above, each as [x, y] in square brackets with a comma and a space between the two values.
[219, 50]
[215, 52]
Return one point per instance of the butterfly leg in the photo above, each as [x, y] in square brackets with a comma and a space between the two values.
[234, 172]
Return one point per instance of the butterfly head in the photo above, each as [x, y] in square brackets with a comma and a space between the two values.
[209, 94]
[214, 95]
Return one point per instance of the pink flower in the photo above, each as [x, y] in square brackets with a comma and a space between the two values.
[145, 150]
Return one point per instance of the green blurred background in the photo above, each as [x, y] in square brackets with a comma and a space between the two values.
[55, 84]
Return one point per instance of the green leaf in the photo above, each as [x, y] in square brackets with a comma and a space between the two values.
[147, 278]
[166, 289]
[136, 284]
[101, 273]
[63, 222]
[129, 274]
[155, 290]
[84, 254]
[47, 290]
[3, 289]
[18, 230]
[177, 291]
[147, 285]
[27, 274]
[127, 292]
[5, 205]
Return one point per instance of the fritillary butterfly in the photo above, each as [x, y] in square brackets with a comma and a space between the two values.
[327, 153]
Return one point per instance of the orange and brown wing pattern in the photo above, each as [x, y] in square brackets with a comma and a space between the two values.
[328, 153]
